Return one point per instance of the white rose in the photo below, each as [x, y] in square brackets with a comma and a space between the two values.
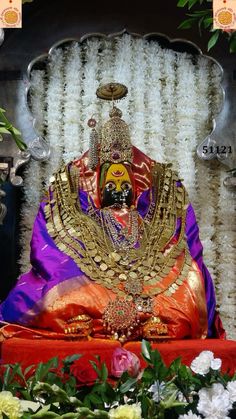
[202, 363]
[214, 402]
[231, 387]
[216, 364]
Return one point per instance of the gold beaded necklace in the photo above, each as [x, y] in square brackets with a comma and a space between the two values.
[87, 242]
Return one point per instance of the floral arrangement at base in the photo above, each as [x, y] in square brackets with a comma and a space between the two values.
[55, 390]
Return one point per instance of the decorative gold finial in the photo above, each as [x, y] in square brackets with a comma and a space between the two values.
[112, 91]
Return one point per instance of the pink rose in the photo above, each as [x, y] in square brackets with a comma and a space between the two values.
[123, 360]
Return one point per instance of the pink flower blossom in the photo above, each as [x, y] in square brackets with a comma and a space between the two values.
[123, 360]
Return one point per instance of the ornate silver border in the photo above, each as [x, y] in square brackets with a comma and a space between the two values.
[164, 39]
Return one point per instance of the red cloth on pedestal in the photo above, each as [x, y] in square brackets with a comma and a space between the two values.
[32, 351]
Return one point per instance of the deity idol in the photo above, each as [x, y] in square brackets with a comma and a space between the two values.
[115, 251]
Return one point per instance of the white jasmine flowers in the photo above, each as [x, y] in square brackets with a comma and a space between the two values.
[202, 363]
[214, 402]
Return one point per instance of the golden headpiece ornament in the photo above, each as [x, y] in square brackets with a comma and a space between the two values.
[115, 142]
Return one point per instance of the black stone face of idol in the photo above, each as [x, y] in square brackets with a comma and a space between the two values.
[117, 199]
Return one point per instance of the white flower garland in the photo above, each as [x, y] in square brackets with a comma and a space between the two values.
[32, 189]
[106, 74]
[138, 68]
[186, 98]
[154, 118]
[72, 116]
[226, 250]
[206, 209]
[122, 71]
[54, 114]
[169, 106]
[90, 85]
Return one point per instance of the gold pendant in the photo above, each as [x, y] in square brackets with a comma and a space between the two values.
[120, 318]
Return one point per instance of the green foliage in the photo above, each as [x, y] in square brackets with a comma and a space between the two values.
[213, 39]
[204, 20]
[7, 128]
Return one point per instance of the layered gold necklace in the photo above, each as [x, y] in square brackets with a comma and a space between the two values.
[94, 243]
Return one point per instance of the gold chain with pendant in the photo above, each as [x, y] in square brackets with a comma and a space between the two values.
[87, 242]
[91, 240]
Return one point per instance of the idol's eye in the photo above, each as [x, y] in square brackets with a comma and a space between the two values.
[126, 186]
[110, 186]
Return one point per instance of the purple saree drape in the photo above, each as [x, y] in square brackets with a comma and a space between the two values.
[50, 267]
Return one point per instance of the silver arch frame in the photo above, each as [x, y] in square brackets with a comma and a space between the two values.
[207, 141]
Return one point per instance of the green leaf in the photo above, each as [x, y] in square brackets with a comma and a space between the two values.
[71, 358]
[28, 369]
[213, 40]
[7, 377]
[182, 3]
[199, 13]
[104, 372]
[191, 3]
[175, 365]
[148, 375]
[4, 130]
[15, 131]
[208, 21]
[95, 367]
[95, 399]
[200, 24]
[52, 393]
[188, 23]
[146, 350]
[45, 414]
[128, 385]
[101, 414]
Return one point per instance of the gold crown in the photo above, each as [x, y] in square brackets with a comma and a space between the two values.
[115, 145]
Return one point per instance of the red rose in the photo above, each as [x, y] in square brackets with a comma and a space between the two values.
[83, 372]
